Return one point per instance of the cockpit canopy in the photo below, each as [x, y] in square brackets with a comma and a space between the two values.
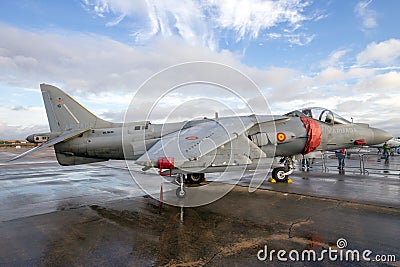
[320, 114]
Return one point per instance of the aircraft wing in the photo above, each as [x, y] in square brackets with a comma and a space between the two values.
[194, 142]
[56, 140]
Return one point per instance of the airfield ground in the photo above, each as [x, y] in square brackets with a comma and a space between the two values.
[95, 215]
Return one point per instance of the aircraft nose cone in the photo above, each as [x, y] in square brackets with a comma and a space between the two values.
[380, 136]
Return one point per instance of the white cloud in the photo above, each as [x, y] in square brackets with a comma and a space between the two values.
[299, 39]
[20, 132]
[116, 21]
[384, 83]
[336, 75]
[157, 17]
[366, 14]
[334, 58]
[248, 18]
[17, 122]
[199, 22]
[102, 73]
[17, 115]
[386, 52]
[88, 61]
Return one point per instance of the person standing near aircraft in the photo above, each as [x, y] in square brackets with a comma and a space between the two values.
[341, 155]
[305, 164]
[386, 151]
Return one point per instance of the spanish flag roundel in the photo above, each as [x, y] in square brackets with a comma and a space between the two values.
[280, 137]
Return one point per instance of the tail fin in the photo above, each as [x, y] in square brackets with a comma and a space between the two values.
[65, 114]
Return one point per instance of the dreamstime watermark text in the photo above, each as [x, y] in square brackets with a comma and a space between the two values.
[340, 253]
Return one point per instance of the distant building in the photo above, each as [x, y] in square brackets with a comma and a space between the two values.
[13, 142]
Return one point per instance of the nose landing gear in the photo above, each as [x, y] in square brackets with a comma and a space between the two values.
[281, 174]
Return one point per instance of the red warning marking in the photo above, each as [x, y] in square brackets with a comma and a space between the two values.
[360, 142]
[192, 137]
[281, 137]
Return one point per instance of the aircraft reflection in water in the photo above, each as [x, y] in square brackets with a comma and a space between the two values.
[195, 147]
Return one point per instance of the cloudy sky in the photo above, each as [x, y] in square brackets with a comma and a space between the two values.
[343, 55]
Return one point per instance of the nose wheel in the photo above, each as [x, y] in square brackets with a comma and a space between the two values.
[281, 174]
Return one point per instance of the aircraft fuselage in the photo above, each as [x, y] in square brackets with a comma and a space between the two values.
[107, 143]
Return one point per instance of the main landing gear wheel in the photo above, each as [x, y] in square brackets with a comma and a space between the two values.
[279, 175]
[195, 178]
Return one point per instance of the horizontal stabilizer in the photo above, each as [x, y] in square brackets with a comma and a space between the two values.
[58, 139]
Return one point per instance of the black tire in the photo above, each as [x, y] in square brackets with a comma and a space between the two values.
[180, 193]
[278, 174]
[195, 178]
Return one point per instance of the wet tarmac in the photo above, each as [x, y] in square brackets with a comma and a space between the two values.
[96, 215]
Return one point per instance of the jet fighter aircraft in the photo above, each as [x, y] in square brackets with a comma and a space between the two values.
[195, 147]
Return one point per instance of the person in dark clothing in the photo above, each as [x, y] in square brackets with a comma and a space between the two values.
[341, 155]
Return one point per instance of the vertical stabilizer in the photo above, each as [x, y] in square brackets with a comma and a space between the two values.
[65, 114]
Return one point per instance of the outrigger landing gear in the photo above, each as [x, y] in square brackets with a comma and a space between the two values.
[180, 191]
[192, 178]
[281, 174]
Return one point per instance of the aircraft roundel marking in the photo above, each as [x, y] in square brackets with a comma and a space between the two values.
[281, 137]
[192, 137]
